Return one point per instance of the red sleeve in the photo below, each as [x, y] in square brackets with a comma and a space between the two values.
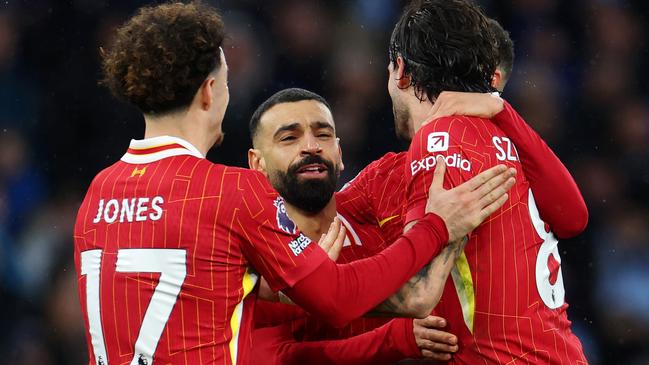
[340, 293]
[387, 344]
[269, 239]
[559, 200]
[453, 138]
[269, 314]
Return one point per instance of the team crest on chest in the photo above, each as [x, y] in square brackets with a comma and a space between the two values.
[283, 221]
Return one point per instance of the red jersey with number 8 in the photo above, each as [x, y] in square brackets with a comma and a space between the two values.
[505, 301]
[165, 244]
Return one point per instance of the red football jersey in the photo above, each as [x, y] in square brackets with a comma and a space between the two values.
[165, 245]
[370, 208]
[505, 301]
[361, 241]
[376, 195]
[377, 191]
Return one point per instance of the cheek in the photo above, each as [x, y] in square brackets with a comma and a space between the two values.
[280, 159]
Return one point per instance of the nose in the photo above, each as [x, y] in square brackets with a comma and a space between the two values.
[311, 146]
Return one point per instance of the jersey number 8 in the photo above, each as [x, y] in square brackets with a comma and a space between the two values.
[550, 286]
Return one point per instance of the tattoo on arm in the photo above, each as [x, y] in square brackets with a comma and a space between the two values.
[430, 278]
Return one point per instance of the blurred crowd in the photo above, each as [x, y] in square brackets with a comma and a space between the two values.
[579, 78]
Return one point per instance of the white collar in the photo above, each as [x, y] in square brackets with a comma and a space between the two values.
[153, 149]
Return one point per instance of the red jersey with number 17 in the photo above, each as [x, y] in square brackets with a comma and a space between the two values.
[505, 301]
[165, 245]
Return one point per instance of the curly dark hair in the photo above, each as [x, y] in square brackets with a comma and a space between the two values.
[161, 56]
[445, 45]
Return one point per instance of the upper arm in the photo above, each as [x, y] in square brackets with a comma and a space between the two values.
[558, 197]
[269, 239]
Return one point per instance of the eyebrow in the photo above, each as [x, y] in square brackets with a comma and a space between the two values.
[321, 125]
[286, 127]
[295, 126]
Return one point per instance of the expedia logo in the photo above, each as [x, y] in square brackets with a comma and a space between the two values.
[283, 221]
[299, 244]
[437, 142]
[427, 163]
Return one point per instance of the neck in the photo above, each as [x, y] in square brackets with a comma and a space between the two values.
[313, 225]
[182, 125]
[419, 111]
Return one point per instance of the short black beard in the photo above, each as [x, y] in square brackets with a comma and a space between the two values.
[310, 195]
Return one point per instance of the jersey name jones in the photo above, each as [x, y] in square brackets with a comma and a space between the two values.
[129, 210]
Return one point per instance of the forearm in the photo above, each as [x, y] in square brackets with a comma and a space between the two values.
[363, 284]
[419, 296]
[387, 344]
[557, 196]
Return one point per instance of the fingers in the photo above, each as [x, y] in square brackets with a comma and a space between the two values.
[432, 114]
[436, 355]
[491, 208]
[438, 175]
[496, 193]
[337, 245]
[436, 346]
[332, 233]
[439, 109]
[484, 176]
[493, 183]
[432, 322]
[323, 243]
[438, 336]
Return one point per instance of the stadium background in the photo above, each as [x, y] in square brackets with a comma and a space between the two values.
[579, 78]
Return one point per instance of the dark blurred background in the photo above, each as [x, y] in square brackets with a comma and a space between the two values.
[580, 78]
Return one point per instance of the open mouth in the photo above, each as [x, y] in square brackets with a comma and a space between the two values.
[315, 170]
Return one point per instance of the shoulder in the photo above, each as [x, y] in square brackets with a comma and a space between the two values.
[385, 164]
[108, 174]
[388, 162]
[247, 184]
[442, 133]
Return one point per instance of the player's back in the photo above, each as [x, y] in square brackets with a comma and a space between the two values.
[506, 298]
[162, 276]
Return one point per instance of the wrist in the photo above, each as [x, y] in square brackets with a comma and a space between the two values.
[502, 116]
[438, 224]
[406, 339]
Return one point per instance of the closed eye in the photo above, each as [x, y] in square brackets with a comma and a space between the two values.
[288, 138]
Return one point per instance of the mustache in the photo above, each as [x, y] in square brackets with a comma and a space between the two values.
[308, 160]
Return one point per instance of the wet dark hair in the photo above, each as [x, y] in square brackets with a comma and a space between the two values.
[162, 55]
[445, 45]
[505, 47]
[283, 96]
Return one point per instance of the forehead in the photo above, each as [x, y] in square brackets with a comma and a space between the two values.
[303, 112]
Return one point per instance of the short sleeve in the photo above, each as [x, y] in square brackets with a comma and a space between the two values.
[453, 138]
[269, 238]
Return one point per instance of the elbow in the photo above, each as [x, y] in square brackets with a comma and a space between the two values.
[334, 313]
[337, 319]
[575, 225]
[421, 306]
